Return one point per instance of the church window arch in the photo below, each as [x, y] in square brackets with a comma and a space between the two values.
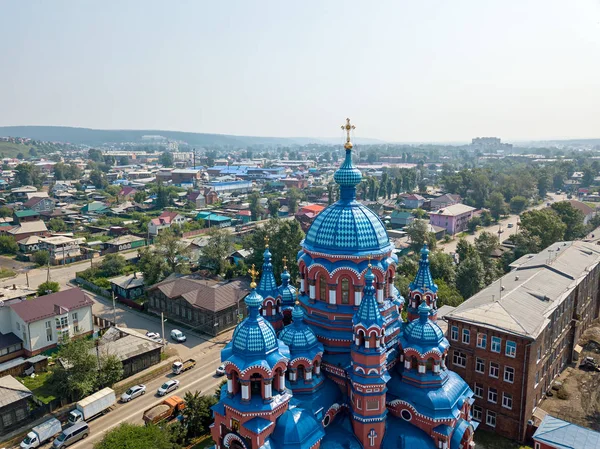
[414, 363]
[429, 364]
[322, 288]
[300, 372]
[345, 290]
[256, 382]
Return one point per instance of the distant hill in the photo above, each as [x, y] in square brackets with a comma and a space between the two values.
[94, 137]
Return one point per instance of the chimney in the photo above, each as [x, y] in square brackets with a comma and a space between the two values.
[14, 286]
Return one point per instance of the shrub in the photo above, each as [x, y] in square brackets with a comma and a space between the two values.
[41, 257]
[562, 393]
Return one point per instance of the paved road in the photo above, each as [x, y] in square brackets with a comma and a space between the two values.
[450, 247]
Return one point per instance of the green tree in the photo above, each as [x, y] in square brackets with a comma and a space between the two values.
[442, 266]
[152, 266]
[110, 372]
[214, 254]
[132, 436]
[486, 218]
[98, 179]
[28, 174]
[419, 213]
[173, 251]
[573, 218]
[497, 205]
[273, 205]
[77, 377]
[293, 196]
[422, 186]
[41, 258]
[464, 250]
[95, 155]
[20, 156]
[448, 294]
[197, 415]
[57, 224]
[525, 243]
[256, 208]
[473, 223]
[46, 288]
[518, 204]
[545, 224]
[112, 265]
[162, 196]
[5, 212]
[470, 276]
[8, 245]
[123, 160]
[140, 196]
[418, 233]
[166, 159]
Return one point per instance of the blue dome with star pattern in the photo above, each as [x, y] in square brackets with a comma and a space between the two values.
[423, 331]
[298, 336]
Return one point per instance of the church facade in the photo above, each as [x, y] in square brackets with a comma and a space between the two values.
[332, 364]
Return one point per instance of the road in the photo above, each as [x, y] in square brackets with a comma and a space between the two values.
[450, 247]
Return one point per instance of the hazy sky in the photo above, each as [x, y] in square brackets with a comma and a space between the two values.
[444, 70]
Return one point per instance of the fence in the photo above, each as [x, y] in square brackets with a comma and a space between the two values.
[194, 233]
[107, 293]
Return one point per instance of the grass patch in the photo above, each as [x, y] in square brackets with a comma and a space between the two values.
[205, 442]
[39, 386]
[6, 273]
[490, 440]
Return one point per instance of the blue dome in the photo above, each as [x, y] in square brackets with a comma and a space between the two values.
[254, 336]
[347, 175]
[347, 227]
[297, 428]
[423, 331]
[287, 291]
[298, 335]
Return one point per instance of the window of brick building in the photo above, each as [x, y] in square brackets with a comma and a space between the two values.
[481, 340]
[511, 348]
[478, 390]
[492, 395]
[494, 369]
[459, 359]
[466, 336]
[477, 413]
[454, 333]
[490, 418]
[507, 400]
[509, 374]
[496, 344]
[480, 366]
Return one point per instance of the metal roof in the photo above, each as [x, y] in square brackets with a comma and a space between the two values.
[11, 391]
[565, 435]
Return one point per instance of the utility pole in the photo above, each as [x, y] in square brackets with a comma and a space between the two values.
[162, 325]
[114, 310]
[27, 277]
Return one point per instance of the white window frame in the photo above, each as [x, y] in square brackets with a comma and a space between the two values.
[492, 391]
[483, 339]
[478, 362]
[477, 413]
[506, 371]
[454, 333]
[459, 355]
[513, 346]
[466, 336]
[492, 345]
[478, 387]
[497, 367]
[505, 398]
[488, 415]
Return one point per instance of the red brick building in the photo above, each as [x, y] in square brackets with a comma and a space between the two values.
[511, 340]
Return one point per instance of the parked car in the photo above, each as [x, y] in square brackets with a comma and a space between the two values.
[167, 387]
[152, 335]
[178, 336]
[220, 370]
[510, 225]
[71, 435]
[133, 392]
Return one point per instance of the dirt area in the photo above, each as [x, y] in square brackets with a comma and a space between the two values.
[583, 387]
[13, 264]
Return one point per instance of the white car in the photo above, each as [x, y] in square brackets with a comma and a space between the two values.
[152, 335]
[221, 370]
[178, 336]
[133, 392]
[167, 387]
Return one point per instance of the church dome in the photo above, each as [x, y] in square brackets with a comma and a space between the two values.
[286, 290]
[254, 335]
[297, 428]
[423, 331]
[298, 335]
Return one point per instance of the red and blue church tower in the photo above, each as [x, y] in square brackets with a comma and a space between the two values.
[333, 364]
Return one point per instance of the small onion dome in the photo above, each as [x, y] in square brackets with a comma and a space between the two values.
[423, 331]
[396, 295]
[267, 286]
[368, 312]
[299, 336]
[297, 429]
[347, 175]
[423, 280]
[286, 290]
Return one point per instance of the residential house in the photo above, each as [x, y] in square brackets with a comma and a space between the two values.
[25, 215]
[315, 209]
[62, 249]
[129, 286]
[127, 192]
[30, 244]
[239, 255]
[245, 216]
[513, 338]
[20, 193]
[123, 243]
[135, 351]
[62, 212]
[197, 199]
[412, 200]
[442, 201]
[27, 229]
[231, 186]
[401, 218]
[298, 183]
[14, 404]
[586, 210]
[39, 204]
[43, 322]
[211, 219]
[554, 433]
[95, 207]
[207, 305]
[164, 221]
[452, 218]
[186, 177]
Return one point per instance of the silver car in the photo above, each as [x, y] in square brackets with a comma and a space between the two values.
[133, 392]
[167, 387]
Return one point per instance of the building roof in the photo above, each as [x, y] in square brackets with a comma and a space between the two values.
[204, 293]
[28, 227]
[167, 217]
[44, 307]
[267, 286]
[26, 213]
[35, 200]
[522, 301]
[413, 197]
[423, 281]
[565, 435]
[58, 240]
[129, 280]
[368, 313]
[125, 343]
[31, 240]
[582, 207]
[314, 208]
[8, 339]
[454, 210]
[123, 239]
[11, 391]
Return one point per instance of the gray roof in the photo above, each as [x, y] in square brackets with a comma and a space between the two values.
[129, 280]
[11, 391]
[522, 301]
[125, 343]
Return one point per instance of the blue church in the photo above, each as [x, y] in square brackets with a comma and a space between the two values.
[332, 364]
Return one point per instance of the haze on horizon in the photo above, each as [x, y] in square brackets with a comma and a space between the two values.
[402, 70]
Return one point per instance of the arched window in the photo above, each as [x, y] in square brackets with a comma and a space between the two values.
[414, 362]
[256, 385]
[301, 372]
[322, 288]
[429, 364]
[345, 291]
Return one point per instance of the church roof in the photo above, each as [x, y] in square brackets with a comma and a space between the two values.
[286, 290]
[423, 280]
[368, 313]
[299, 337]
[423, 331]
[297, 429]
[267, 286]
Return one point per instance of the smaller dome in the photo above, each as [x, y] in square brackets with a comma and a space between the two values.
[297, 428]
[254, 336]
[287, 291]
[423, 331]
[253, 299]
[298, 335]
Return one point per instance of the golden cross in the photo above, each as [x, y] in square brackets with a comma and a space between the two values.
[253, 274]
[284, 262]
[266, 241]
[370, 261]
[348, 128]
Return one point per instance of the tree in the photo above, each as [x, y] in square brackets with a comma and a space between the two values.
[28, 174]
[140, 196]
[162, 196]
[497, 205]
[418, 233]
[57, 224]
[112, 265]
[422, 186]
[95, 155]
[132, 436]
[442, 266]
[464, 250]
[419, 213]
[572, 218]
[20, 156]
[197, 415]
[470, 276]
[273, 205]
[76, 378]
[525, 243]
[173, 251]
[486, 218]
[473, 223]
[5, 212]
[214, 254]
[545, 224]
[46, 288]
[124, 160]
[110, 372]
[256, 208]
[98, 179]
[166, 159]
[152, 267]
[293, 196]
[41, 258]
[448, 294]
[32, 152]
[518, 204]
[485, 243]
[8, 245]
